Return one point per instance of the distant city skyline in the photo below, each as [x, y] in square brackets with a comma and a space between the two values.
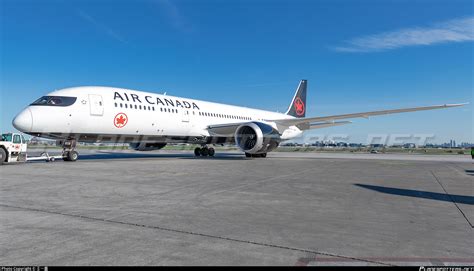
[388, 141]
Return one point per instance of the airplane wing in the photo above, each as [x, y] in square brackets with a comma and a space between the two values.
[226, 130]
[306, 123]
[327, 124]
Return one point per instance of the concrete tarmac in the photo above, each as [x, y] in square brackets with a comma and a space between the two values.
[170, 208]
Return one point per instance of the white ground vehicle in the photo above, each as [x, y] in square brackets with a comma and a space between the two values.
[13, 148]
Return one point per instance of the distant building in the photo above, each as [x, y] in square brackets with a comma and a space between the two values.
[452, 143]
[377, 145]
[409, 145]
[466, 145]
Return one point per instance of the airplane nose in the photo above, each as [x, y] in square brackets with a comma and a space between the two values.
[23, 121]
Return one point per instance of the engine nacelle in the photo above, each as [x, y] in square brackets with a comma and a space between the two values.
[256, 137]
[143, 146]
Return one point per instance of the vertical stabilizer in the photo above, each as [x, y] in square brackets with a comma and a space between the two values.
[298, 104]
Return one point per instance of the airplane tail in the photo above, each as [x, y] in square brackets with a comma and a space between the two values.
[297, 107]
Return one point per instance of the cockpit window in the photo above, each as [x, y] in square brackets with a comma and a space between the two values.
[55, 101]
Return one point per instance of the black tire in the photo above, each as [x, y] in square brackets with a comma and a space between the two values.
[197, 151]
[248, 155]
[66, 156]
[72, 156]
[212, 151]
[3, 156]
[263, 155]
[204, 151]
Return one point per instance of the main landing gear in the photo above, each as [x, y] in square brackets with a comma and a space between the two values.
[257, 155]
[204, 151]
[69, 153]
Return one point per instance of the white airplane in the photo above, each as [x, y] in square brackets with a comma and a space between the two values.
[148, 121]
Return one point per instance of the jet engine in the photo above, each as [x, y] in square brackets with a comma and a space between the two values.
[256, 138]
[143, 146]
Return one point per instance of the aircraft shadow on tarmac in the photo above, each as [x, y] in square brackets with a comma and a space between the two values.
[118, 155]
[420, 194]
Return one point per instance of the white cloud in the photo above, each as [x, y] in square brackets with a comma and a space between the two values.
[174, 16]
[457, 30]
[101, 26]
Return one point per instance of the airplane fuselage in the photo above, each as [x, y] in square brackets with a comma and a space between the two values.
[107, 114]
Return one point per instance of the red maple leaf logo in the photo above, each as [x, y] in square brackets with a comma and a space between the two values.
[120, 120]
[299, 106]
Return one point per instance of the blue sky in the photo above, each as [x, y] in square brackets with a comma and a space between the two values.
[356, 55]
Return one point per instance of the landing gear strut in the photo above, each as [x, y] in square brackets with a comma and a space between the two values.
[204, 151]
[69, 153]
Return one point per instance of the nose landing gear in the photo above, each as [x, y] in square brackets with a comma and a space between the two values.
[69, 153]
[70, 156]
[204, 151]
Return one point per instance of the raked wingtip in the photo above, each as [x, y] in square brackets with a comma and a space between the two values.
[455, 105]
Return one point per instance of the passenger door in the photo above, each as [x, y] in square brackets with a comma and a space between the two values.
[185, 116]
[96, 105]
[17, 143]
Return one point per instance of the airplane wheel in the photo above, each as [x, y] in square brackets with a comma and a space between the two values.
[263, 155]
[72, 156]
[204, 151]
[212, 152]
[248, 155]
[3, 156]
[197, 151]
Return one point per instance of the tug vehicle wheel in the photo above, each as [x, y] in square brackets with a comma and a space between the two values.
[3, 156]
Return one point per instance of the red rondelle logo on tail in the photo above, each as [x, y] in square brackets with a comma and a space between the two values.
[120, 120]
[299, 106]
